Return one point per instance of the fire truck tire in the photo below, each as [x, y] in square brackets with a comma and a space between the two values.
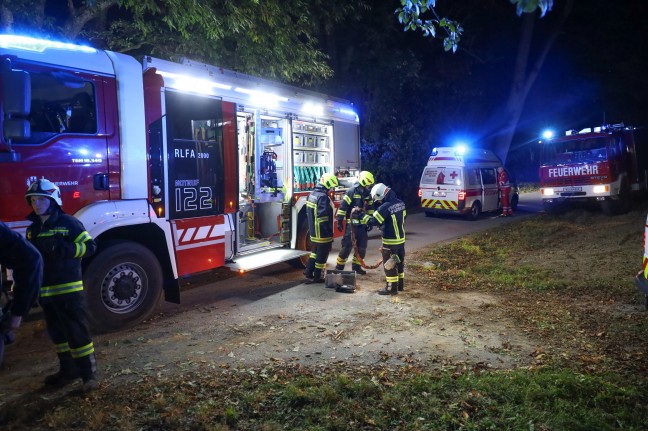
[552, 208]
[123, 285]
[618, 206]
[515, 200]
[475, 211]
[429, 214]
[303, 243]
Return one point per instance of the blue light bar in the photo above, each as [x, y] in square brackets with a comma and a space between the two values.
[39, 45]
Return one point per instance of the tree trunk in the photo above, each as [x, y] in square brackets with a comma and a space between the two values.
[524, 77]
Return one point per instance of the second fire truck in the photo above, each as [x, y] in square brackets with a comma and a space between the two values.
[597, 165]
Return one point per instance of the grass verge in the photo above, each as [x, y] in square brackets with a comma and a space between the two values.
[566, 280]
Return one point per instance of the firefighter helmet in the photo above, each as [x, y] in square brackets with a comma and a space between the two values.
[329, 180]
[365, 178]
[45, 188]
[378, 192]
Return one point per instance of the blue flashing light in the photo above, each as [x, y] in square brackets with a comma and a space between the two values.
[39, 45]
[548, 134]
[460, 149]
[350, 112]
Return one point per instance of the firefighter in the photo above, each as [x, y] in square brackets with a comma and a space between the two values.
[319, 212]
[390, 216]
[358, 196]
[27, 265]
[63, 242]
[505, 191]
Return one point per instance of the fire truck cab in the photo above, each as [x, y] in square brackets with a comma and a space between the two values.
[174, 168]
[597, 165]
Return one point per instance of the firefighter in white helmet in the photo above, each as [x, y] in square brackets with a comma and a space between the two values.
[319, 213]
[63, 242]
[390, 216]
[357, 196]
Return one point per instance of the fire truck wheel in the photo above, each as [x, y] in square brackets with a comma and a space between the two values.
[618, 206]
[429, 213]
[123, 285]
[552, 208]
[475, 211]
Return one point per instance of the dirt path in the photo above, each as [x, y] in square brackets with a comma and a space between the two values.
[269, 317]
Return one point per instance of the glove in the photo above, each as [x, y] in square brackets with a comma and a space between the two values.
[53, 246]
[340, 226]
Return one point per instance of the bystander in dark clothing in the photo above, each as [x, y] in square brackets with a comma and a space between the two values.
[26, 263]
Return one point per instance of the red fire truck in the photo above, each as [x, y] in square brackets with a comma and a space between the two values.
[174, 168]
[598, 165]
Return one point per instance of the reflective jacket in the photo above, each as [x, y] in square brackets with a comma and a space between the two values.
[62, 272]
[390, 216]
[320, 215]
[355, 197]
[503, 181]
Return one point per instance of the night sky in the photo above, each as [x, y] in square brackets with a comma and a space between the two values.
[595, 72]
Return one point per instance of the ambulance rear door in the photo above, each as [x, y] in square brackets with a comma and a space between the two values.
[440, 186]
[490, 198]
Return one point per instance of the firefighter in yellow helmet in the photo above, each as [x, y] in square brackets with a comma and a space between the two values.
[319, 212]
[357, 197]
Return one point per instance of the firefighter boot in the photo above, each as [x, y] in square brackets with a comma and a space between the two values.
[317, 277]
[67, 373]
[358, 269]
[390, 289]
[87, 366]
[339, 267]
[401, 284]
[308, 273]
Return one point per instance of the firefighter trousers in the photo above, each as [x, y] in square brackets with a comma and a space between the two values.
[361, 238]
[396, 275]
[317, 260]
[67, 326]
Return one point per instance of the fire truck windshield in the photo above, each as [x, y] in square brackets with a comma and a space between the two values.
[575, 151]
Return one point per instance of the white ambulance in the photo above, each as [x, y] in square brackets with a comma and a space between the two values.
[463, 181]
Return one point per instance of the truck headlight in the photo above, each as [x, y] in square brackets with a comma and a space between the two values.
[547, 192]
[600, 189]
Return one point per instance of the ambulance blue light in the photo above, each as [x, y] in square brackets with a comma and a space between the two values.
[548, 134]
[461, 149]
[39, 45]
